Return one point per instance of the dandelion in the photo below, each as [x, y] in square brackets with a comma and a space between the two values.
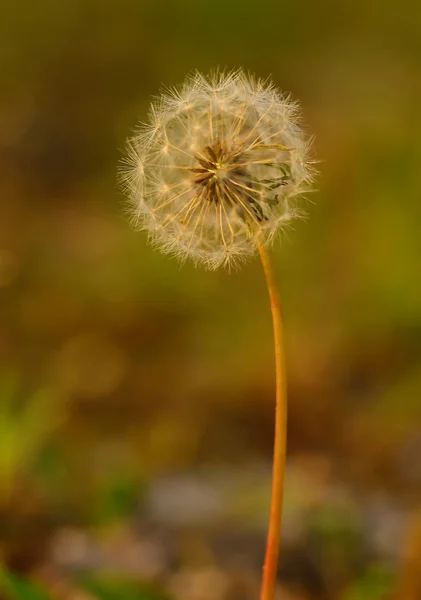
[215, 176]
[218, 168]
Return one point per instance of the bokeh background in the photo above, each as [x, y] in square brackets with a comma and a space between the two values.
[136, 396]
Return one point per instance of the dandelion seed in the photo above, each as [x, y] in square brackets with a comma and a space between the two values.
[219, 169]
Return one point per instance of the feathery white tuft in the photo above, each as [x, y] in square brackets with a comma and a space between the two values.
[218, 169]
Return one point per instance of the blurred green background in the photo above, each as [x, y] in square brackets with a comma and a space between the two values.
[136, 396]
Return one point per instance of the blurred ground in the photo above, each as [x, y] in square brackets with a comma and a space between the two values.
[136, 397]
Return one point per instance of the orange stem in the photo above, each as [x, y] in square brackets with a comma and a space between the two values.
[409, 583]
[279, 451]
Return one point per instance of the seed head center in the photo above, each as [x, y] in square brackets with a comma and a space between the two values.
[214, 165]
[221, 171]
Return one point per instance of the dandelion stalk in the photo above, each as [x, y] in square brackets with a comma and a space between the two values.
[409, 580]
[279, 449]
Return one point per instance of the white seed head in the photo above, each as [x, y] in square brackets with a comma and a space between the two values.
[218, 168]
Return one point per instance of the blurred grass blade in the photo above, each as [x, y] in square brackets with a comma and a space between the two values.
[15, 587]
[108, 588]
[376, 583]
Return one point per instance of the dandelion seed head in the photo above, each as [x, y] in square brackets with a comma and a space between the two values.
[218, 169]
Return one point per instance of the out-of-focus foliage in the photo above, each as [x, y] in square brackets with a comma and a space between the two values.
[19, 588]
[117, 589]
[136, 429]
[374, 584]
[25, 427]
